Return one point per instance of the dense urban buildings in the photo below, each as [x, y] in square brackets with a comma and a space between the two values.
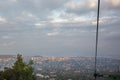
[67, 68]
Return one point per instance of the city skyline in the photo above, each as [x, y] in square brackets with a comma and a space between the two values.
[59, 28]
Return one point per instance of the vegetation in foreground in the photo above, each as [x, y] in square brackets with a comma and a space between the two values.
[19, 71]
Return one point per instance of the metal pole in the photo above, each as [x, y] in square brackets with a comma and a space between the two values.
[96, 45]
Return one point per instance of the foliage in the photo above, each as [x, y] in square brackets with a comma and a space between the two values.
[19, 71]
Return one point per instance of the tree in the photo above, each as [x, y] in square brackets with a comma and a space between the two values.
[19, 71]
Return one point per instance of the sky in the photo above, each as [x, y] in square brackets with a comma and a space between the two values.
[59, 27]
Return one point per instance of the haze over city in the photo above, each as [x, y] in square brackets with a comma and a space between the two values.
[59, 27]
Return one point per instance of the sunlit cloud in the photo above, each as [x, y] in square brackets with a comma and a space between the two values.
[52, 33]
[3, 20]
[115, 3]
[39, 25]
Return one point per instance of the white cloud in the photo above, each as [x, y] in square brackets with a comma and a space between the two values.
[52, 34]
[88, 7]
[100, 22]
[72, 5]
[8, 44]
[59, 21]
[67, 19]
[26, 16]
[107, 20]
[6, 37]
[92, 3]
[115, 3]
[81, 6]
[39, 25]
[3, 20]
[84, 4]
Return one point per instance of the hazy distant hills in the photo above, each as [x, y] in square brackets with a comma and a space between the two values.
[7, 56]
[56, 58]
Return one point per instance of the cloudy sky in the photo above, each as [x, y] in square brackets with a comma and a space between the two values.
[59, 27]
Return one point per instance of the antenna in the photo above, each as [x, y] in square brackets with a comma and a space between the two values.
[96, 45]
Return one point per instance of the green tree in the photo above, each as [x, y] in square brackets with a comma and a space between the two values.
[19, 71]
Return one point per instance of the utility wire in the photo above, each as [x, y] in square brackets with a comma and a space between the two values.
[96, 45]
